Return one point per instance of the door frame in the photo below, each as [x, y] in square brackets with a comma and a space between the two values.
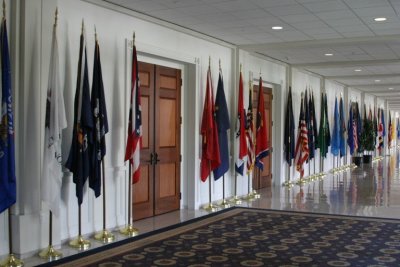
[189, 67]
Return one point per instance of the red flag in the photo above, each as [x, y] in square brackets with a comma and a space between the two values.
[240, 130]
[302, 151]
[261, 131]
[210, 158]
[134, 142]
[249, 134]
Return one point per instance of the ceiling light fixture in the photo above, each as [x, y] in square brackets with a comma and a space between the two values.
[277, 27]
[377, 81]
[357, 70]
[380, 19]
[328, 54]
[390, 88]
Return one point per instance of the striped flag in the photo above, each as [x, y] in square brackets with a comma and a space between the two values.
[302, 151]
[55, 122]
[134, 141]
[261, 134]
[249, 134]
[240, 131]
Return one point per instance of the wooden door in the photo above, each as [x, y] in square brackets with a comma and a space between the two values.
[167, 139]
[158, 190]
[262, 179]
[142, 191]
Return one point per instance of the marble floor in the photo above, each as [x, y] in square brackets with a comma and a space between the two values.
[370, 190]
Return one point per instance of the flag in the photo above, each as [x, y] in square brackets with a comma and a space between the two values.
[250, 134]
[323, 136]
[380, 128]
[8, 194]
[223, 125]
[289, 130]
[359, 128]
[240, 130]
[328, 132]
[311, 128]
[375, 127]
[301, 152]
[342, 128]
[308, 123]
[210, 157]
[261, 132]
[314, 121]
[390, 128]
[99, 111]
[352, 128]
[80, 159]
[336, 131]
[134, 139]
[55, 122]
[398, 128]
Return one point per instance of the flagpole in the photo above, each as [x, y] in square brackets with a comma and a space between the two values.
[80, 243]
[236, 200]
[224, 203]
[129, 230]
[104, 236]
[11, 260]
[210, 207]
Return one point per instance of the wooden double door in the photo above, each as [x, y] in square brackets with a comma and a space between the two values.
[158, 190]
[262, 179]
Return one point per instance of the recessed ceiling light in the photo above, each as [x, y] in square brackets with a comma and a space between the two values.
[377, 81]
[277, 27]
[357, 70]
[328, 54]
[390, 88]
[380, 19]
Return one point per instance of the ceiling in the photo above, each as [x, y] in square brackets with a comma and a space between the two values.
[311, 29]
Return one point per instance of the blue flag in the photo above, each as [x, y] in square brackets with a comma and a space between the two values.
[342, 128]
[351, 127]
[8, 194]
[223, 125]
[359, 128]
[100, 120]
[80, 159]
[336, 131]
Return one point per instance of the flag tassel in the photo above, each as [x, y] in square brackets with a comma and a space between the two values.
[80, 243]
[129, 230]
[104, 236]
[50, 253]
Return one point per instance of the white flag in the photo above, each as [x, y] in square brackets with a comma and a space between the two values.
[55, 122]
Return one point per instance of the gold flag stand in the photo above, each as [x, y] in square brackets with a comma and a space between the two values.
[224, 203]
[235, 199]
[11, 260]
[80, 243]
[210, 207]
[129, 230]
[104, 236]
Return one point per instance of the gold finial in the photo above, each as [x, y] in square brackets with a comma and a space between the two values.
[134, 35]
[260, 72]
[220, 64]
[209, 62]
[240, 67]
[56, 17]
[82, 26]
[4, 9]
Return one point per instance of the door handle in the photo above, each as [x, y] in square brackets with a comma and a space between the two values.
[151, 161]
[156, 160]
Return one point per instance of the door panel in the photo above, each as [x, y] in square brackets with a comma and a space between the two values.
[158, 190]
[167, 139]
[142, 191]
[262, 179]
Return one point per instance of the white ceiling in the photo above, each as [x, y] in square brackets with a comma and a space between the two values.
[311, 28]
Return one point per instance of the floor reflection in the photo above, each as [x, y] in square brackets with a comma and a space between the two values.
[369, 190]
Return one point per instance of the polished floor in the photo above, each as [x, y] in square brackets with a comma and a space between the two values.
[370, 190]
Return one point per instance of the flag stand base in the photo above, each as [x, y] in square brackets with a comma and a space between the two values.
[288, 184]
[50, 254]
[210, 207]
[129, 231]
[256, 194]
[80, 243]
[236, 200]
[249, 197]
[105, 237]
[12, 261]
[224, 204]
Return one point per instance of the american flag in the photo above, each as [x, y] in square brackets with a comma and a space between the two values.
[134, 142]
[249, 135]
[302, 151]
